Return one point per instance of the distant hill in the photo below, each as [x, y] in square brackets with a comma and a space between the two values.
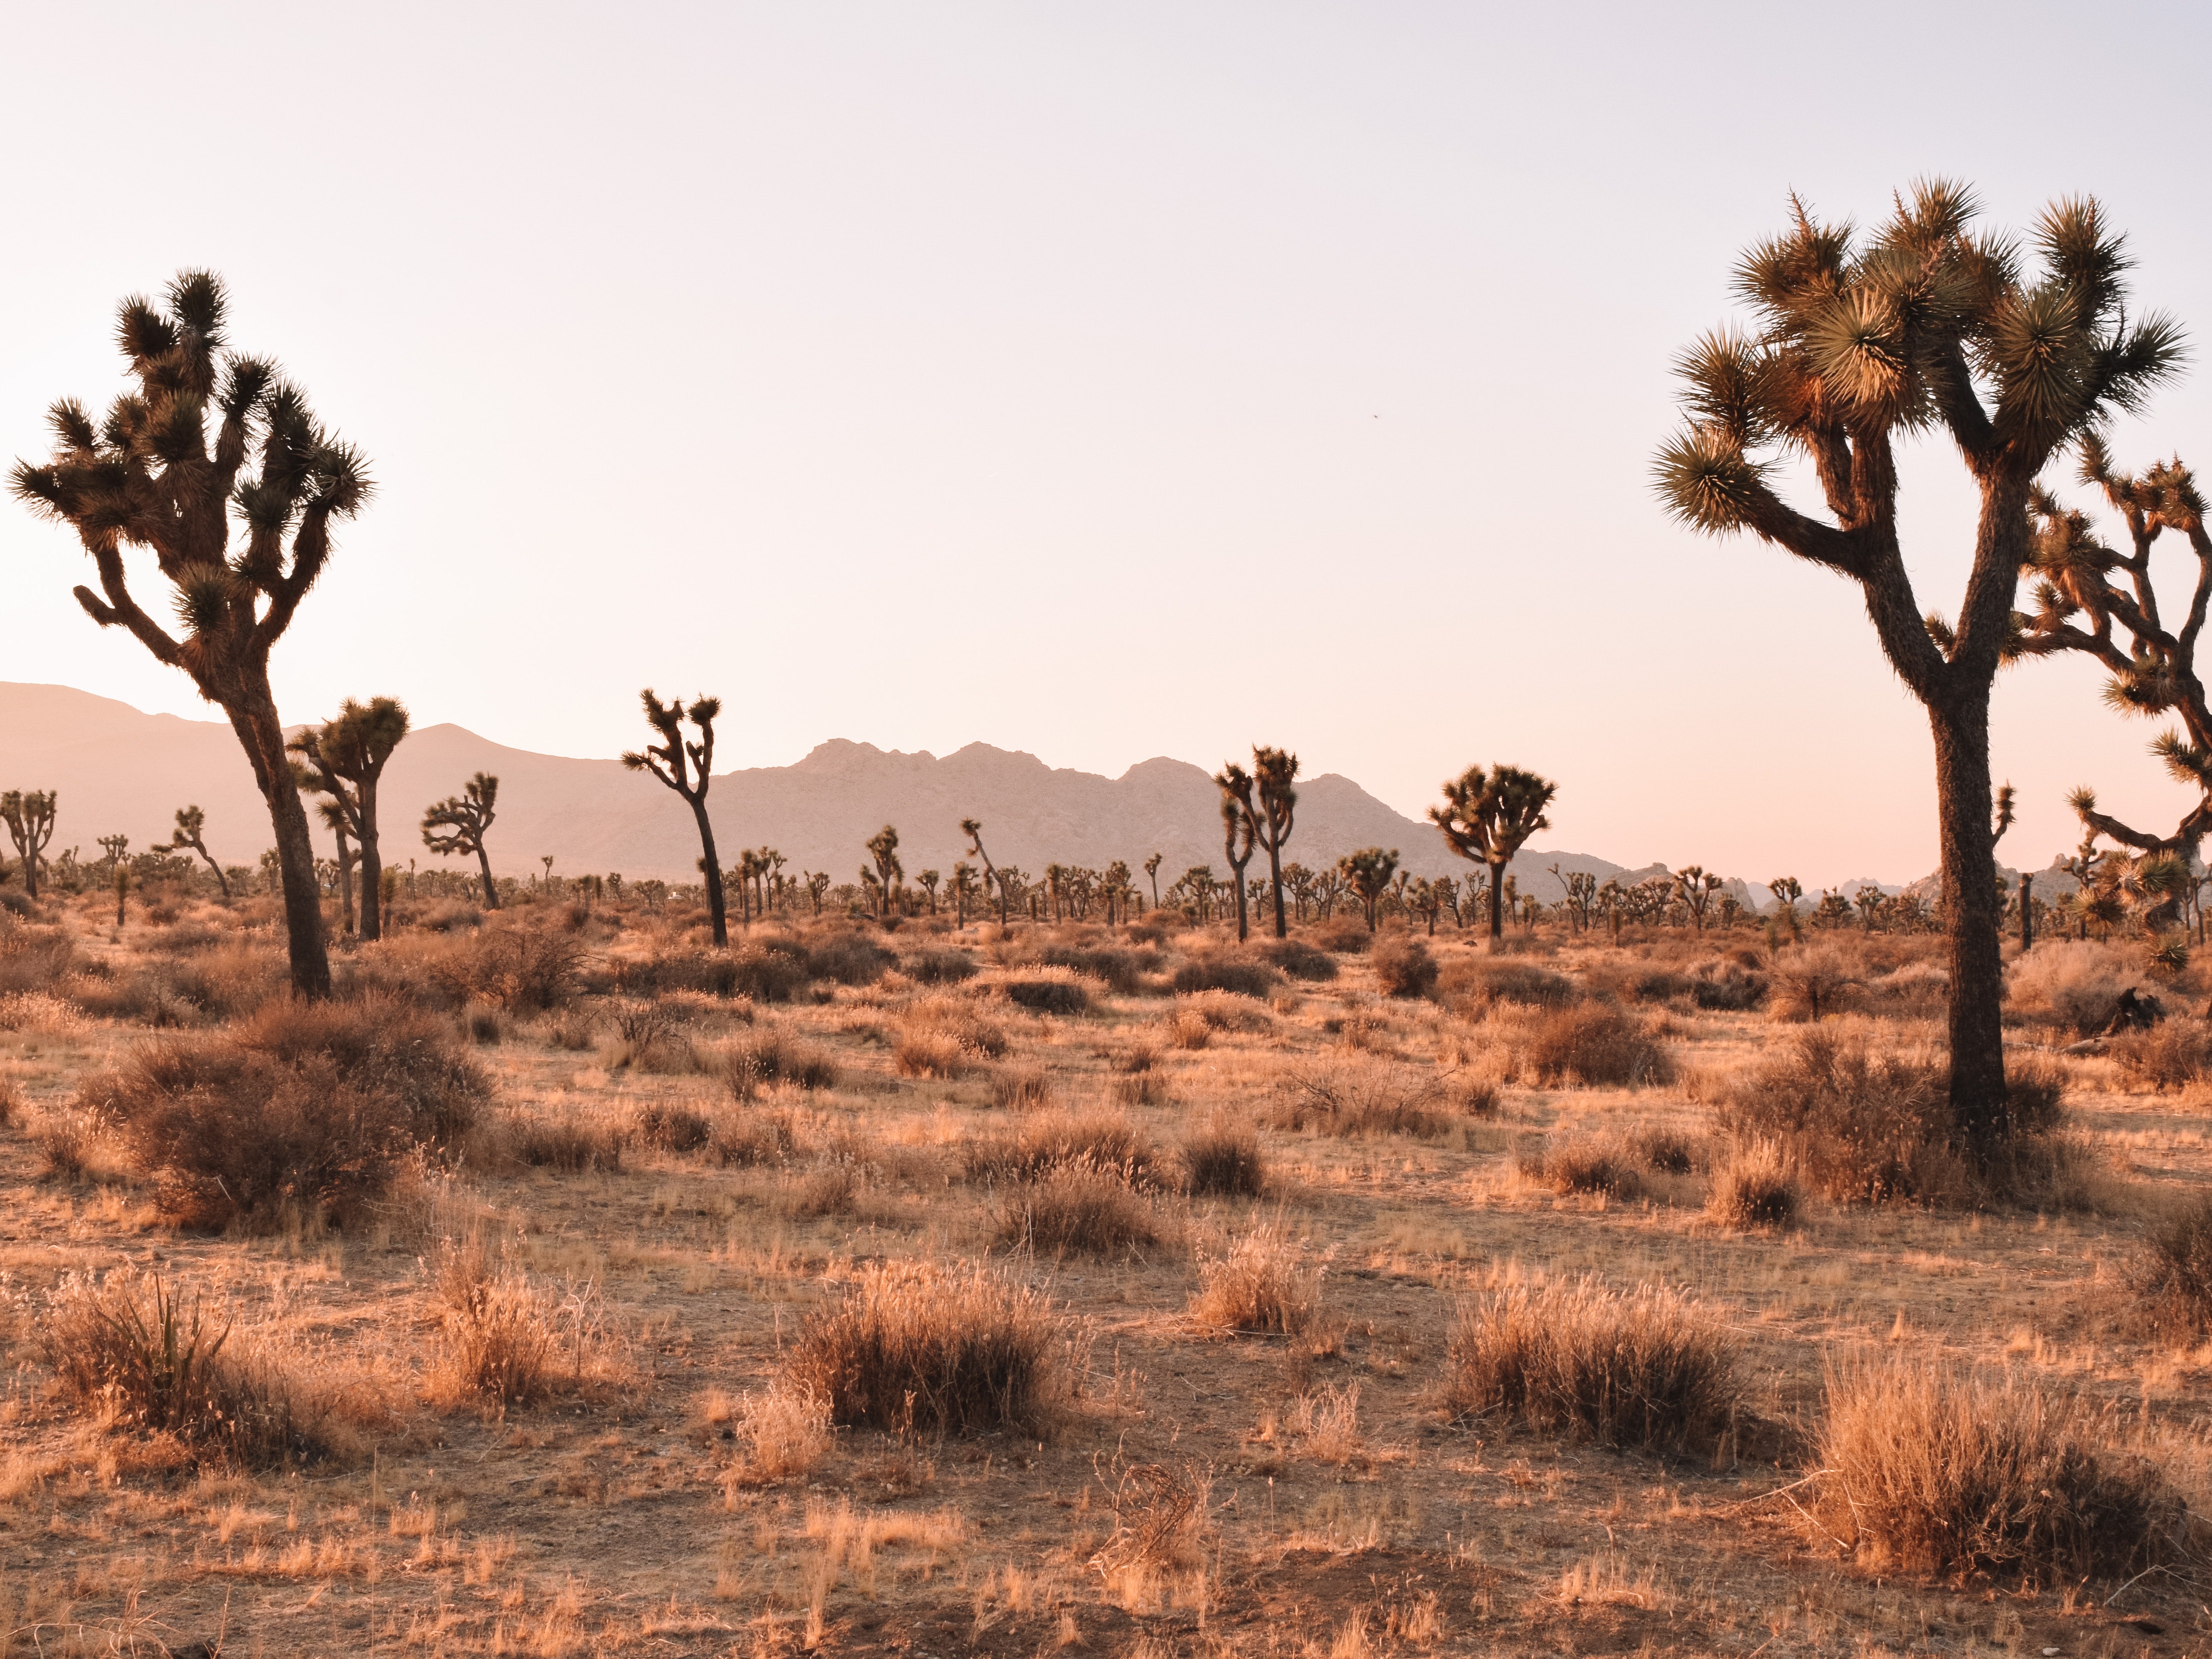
[119, 769]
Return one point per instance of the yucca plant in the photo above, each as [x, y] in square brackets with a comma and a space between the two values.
[30, 821]
[457, 824]
[1921, 325]
[344, 760]
[687, 768]
[151, 475]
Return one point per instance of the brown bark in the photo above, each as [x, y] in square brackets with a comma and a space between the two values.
[483, 861]
[372, 863]
[262, 736]
[1969, 887]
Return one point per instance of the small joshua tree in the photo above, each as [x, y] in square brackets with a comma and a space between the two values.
[335, 819]
[30, 821]
[974, 831]
[883, 848]
[1114, 884]
[188, 838]
[963, 887]
[688, 767]
[457, 824]
[929, 880]
[1488, 817]
[113, 847]
[1152, 870]
[1697, 886]
[345, 761]
[1273, 770]
[1787, 892]
[1367, 874]
[1240, 832]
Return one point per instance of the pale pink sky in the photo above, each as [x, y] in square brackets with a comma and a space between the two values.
[1104, 382]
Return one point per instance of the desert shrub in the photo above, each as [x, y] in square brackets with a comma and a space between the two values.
[1663, 1151]
[1647, 1368]
[1347, 936]
[232, 980]
[32, 958]
[787, 1430]
[1913, 990]
[1298, 959]
[482, 1024]
[1225, 1011]
[1020, 1088]
[1582, 1163]
[917, 1348]
[131, 1349]
[1863, 1126]
[1929, 1469]
[1140, 1088]
[849, 958]
[443, 916]
[1475, 1094]
[1047, 1142]
[755, 1138]
[1483, 981]
[1593, 1044]
[670, 1127]
[2073, 984]
[939, 966]
[2175, 1052]
[1121, 971]
[2172, 1273]
[569, 1142]
[945, 1037]
[1049, 996]
[1753, 1187]
[522, 968]
[1237, 975]
[1262, 1284]
[1223, 1160]
[767, 1056]
[508, 1339]
[1403, 966]
[304, 1108]
[1729, 985]
[1078, 1206]
[1812, 982]
[1350, 1101]
[1188, 1030]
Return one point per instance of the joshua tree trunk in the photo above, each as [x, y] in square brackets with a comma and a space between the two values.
[1497, 905]
[2027, 916]
[372, 867]
[1961, 729]
[262, 735]
[717, 914]
[491, 892]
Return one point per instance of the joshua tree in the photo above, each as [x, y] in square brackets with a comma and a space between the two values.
[1697, 885]
[1152, 870]
[974, 831]
[771, 872]
[818, 884]
[963, 887]
[152, 475]
[344, 760]
[1055, 874]
[1428, 902]
[187, 838]
[1240, 829]
[883, 848]
[30, 821]
[929, 879]
[1581, 893]
[334, 817]
[113, 846]
[1272, 772]
[1922, 325]
[1115, 885]
[457, 825]
[1367, 872]
[1786, 893]
[688, 767]
[747, 870]
[1487, 817]
[1869, 901]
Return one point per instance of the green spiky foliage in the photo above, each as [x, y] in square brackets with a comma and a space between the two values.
[1241, 834]
[1488, 817]
[344, 762]
[29, 815]
[218, 467]
[882, 850]
[190, 837]
[456, 827]
[686, 765]
[1367, 874]
[974, 831]
[1921, 325]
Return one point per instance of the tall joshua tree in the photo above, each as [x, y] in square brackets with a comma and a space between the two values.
[1488, 817]
[151, 475]
[688, 767]
[30, 821]
[188, 838]
[1368, 873]
[457, 825]
[1240, 834]
[974, 831]
[1920, 326]
[1152, 870]
[1273, 771]
[883, 852]
[345, 761]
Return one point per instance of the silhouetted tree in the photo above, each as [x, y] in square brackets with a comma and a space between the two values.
[335, 819]
[345, 759]
[1921, 325]
[1787, 892]
[188, 838]
[152, 476]
[1367, 872]
[817, 884]
[1152, 870]
[883, 848]
[1239, 829]
[1488, 817]
[30, 820]
[1697, 886]
[974, 831]
[688, 767]
[962, 886]
[929, 880]
[457, 825]
[1273, 770]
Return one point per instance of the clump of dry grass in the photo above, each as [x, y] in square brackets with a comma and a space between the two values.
[1047, 991]
[1403, 966]
[1754, 1188]
[764, 1057]
[1583, 1163]
[1242, 976]
[1159, 1519]
[1360, 1099]
[1078, 1206]
[131, 1350]
[509, 1338]
[671, 1126]
[918, 1348]
[1264, 1283]
[1099, 1140]
[787, 1431]
[2072, 984]
[1644, 1368]
[1481, 982]
[2174, 1053]
[2172, 1273]
[1223, 1160]
[1021, 1088]
[570, 1141]
[945, 1036]
[1297, 959]
[1595, 1044]
[751, 1137]
[1928, 1469]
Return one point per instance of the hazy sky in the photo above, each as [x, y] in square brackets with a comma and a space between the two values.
[1101, 381]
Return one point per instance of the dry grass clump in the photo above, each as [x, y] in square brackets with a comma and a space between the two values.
[1263, 1284]
[1242, 976]
[753, 1138]
[938, 966]
[764, 1057]
[1079, 1206]
[1345, 936]
[32, 958]
[1583, 1163]
[1159, 1519]
[1359, 1100]
[1217, 1010]
[1403, 966]
[1097, 1140]
[2173, 1274]
[305, 1109]
[1297, 959]
[670, 1127]
[1022, 1088]
[1481, 982]
[1119, 970]
[1644, 1368]
[1929, 1469]
[1753, 1187]
[130, 1349]
[1223, 1160]
[1592, 1044]
[1730, 984]
[919, 1348]
[847, 956]
[509, 1338]
[570, 1141]
[2174, 1053]
[1048, 991]
[787, 1431]
[945, 1036]
[2072, 984]
[1812, 982]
